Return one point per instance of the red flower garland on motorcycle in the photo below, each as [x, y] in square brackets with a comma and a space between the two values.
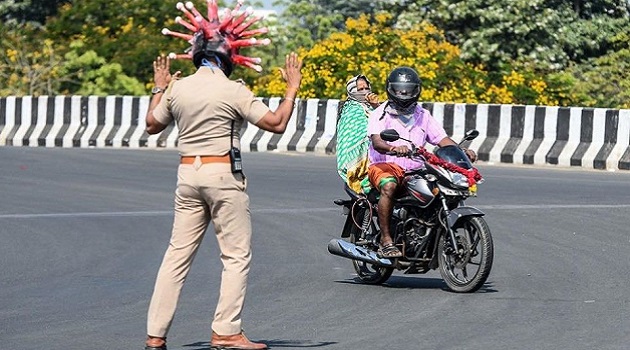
[472, 175]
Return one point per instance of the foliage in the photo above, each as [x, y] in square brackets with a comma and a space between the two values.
[374, 48]
[306, 22]
[28, 10]
[549, 33]
[484, 51]
[589, 9]
[124, 32]
[128, 33]
[92, 75]
[31, 64]
[604, 81]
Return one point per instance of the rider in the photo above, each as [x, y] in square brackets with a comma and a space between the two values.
[352, 139]
[402, 113]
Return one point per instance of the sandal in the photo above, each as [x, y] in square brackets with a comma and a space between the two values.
[389, 251]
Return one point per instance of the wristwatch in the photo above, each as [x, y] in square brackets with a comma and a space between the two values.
[157, 90]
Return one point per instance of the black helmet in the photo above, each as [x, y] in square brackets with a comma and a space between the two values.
[209, 48]
[403, 87]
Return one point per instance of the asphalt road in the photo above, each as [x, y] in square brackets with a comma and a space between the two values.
[83, 232]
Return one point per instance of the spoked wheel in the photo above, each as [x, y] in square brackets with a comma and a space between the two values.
[368, 273]
[466, 268]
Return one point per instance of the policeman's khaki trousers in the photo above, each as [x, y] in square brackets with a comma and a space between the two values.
[205, 192]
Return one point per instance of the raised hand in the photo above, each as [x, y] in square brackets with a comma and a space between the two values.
[372, 99]
[292, 73]
[162, 72]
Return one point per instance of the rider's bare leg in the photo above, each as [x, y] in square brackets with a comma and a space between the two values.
[385, 206]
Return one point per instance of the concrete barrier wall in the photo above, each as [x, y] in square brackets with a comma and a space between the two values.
[582, 137]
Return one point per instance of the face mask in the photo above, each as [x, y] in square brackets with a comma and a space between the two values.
[359, 95]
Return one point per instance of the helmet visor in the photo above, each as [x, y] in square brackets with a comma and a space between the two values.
[404, 90]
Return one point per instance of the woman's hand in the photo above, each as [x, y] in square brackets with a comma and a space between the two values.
[372, 99]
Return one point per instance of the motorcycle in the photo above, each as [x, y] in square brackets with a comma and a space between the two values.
[430, 223]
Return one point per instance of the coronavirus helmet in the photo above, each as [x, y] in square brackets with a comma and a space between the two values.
[403, 87]
[219, 37]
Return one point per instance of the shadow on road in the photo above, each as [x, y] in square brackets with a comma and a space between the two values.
[406, 282]
[276, 343]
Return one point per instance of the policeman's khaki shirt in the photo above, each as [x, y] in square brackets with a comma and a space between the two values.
[203, 105]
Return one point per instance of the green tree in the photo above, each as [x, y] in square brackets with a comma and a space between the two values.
[128, 33]
[29, 63]
[589, 9]
[124, 32]
[321, 17]
[550, 33]
[603, 81]
[372, 47]
[84, 72]
[28, 10]
[304, 23]
[584, 39]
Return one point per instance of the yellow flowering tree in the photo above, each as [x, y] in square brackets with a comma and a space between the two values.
[27, 66]
[31, 64]
[372, 47]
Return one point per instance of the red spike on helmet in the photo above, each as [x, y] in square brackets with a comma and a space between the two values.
[218, 35]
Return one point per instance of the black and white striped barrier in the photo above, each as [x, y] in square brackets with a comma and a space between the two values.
[584, 137]
[563, 136]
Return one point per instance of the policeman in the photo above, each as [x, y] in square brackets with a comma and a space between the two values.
[209, 110]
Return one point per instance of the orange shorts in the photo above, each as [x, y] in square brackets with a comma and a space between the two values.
[382, 173]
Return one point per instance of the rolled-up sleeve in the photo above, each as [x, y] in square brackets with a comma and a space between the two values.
[434, 130]
[162, 112]
[249, 107]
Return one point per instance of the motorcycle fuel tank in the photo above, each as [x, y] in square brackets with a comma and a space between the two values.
[420, 189]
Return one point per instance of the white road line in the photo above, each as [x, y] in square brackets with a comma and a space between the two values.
[77, 215]
[552, 206]
[308, 210]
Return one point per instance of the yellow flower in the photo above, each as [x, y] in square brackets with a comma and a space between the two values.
[371, 47]
[538, 85]
[128, 27]
[513, 79]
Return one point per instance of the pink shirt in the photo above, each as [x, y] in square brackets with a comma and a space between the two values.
[423, 129]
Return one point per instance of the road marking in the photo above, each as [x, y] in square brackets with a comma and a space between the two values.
[303, 210]
[551, 206]
[78, 215]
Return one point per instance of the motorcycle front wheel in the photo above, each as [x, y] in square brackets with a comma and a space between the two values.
[366, 272]
[467, 267]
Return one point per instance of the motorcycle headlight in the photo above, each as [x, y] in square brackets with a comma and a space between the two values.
[459, 179]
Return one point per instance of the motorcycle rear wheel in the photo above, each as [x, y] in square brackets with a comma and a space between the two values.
[366, 272]
[474, 242]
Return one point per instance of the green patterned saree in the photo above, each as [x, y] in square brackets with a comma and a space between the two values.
[352, 145]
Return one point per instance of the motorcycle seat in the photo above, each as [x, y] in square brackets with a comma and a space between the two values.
[372, 196]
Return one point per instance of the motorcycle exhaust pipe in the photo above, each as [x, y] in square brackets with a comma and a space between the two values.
[348, 250]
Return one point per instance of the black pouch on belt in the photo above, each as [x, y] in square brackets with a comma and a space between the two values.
[235, 154]
[235, 160]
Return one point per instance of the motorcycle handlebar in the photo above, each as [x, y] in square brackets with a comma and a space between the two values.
[409, 154]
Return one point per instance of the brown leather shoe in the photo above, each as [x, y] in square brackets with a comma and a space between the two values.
[234, 341]
[155, 343]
